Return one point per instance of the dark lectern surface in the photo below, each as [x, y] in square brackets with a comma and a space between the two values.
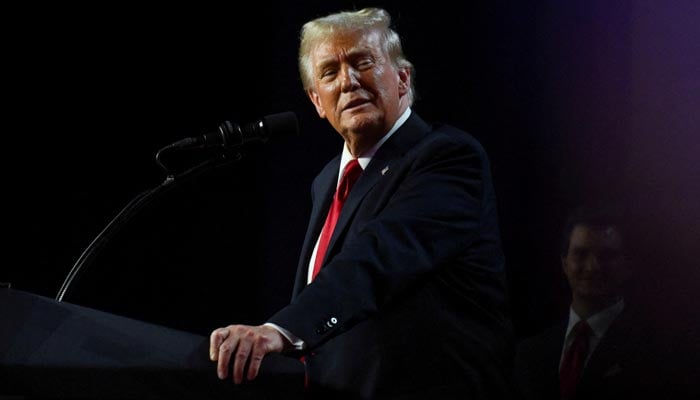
[60, 350]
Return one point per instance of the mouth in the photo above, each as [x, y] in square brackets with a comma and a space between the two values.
[355, 103]
[593, 282]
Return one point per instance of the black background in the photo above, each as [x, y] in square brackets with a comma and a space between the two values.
[572, 101]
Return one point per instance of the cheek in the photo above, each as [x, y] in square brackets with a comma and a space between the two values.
[383, 92]
[386, 83]
[329, 98]
[574, 270]
[568, 271]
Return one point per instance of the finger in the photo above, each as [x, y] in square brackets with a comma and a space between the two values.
[242, 353]
[260, 349]
[215, 340]
[225, 350]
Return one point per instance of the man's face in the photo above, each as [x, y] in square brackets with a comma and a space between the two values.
[594, 264]
[356, 87]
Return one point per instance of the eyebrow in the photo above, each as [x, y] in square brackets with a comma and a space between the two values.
[351, 54]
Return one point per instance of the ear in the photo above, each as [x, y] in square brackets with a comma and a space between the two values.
[404, 80]
[317, 102]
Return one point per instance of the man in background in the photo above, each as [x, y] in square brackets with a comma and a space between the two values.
[608, 347]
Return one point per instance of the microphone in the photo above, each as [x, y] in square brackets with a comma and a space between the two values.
[230, 134]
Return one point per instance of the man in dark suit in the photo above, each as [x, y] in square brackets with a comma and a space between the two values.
[405, 295]
[608, 347]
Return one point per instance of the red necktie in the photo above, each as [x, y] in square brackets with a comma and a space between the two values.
[572, 364]
[351, 172]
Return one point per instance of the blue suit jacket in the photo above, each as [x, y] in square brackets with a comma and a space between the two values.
[411, 299]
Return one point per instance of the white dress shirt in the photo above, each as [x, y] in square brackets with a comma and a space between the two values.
[599, 324]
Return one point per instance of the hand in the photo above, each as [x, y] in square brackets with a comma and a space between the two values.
[247, 344]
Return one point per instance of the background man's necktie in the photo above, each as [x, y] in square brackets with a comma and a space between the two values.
[573, 362]
[351, 173]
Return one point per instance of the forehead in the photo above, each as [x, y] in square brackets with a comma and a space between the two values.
[595, 236]
[345, 43]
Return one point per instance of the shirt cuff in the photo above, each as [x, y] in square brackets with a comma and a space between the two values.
[297, 344]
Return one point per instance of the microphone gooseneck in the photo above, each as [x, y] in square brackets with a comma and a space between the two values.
[228, 136]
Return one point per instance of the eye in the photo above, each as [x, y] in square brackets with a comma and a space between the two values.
[609, 255]
[579, 253]
[328, 73]
[364, 63]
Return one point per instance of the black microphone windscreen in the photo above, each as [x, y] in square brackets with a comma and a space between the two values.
[281, 124]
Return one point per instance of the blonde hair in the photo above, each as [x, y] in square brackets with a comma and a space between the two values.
[319, 29]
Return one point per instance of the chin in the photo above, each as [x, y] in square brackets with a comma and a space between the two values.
[364, 122]
[596, 293]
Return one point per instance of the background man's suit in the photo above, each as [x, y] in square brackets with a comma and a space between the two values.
[411, 298]
[630, 362]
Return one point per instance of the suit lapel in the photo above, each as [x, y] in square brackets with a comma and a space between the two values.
[367, 180]
[323, 190]
[552, 354]
[403, 139]
[379, 168]
[608, 357]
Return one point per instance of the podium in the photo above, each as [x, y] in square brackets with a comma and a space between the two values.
[51, 349]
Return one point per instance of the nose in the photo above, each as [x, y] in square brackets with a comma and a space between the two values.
[349, 79]
[593, 263]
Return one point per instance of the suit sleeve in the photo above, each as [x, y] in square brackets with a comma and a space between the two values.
[425, 219]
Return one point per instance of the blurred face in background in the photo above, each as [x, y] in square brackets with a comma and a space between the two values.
[594, 264]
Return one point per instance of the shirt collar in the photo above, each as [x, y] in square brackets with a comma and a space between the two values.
[599, 322]
[366, 157]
